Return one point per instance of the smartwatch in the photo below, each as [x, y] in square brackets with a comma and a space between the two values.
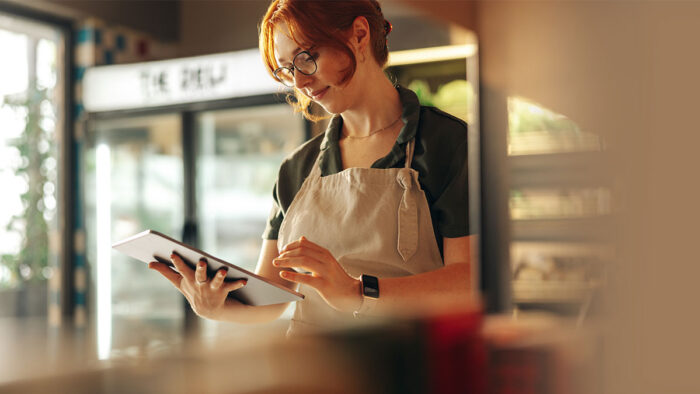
[370, 286]
[370, 293]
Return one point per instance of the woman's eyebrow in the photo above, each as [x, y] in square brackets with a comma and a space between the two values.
[294, 52]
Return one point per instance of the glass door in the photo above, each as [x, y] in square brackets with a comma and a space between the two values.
[133, 182]
[239, 152]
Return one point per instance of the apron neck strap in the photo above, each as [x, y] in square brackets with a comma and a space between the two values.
[410, 145]
[316, 169]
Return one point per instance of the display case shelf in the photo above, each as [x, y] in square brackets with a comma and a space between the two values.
[561, 207]
[579, 229]
[560, 169]
[542, 292]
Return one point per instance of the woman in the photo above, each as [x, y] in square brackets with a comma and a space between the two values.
[370, 217]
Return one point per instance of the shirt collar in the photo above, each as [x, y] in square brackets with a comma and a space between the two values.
[410, 114]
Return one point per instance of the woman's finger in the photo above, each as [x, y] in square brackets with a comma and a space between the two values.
[182, 268]
[229, 287]
[200, 274]
[304, 262]
[322, 257]
[218, 279]
[169, 274]
[301, 278]
[303, 242]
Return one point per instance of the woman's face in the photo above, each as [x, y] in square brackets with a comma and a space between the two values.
[324, 85]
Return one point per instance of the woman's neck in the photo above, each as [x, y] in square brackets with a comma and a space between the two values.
[377, 109]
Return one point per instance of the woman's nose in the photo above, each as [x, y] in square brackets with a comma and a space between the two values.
[301, 79]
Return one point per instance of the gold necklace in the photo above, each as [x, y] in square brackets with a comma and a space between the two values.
[374, 132]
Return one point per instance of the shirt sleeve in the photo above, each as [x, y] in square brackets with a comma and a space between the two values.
[452, 205]
[274, 219]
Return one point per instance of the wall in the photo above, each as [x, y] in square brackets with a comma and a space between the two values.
[219, 26]
[159, 19]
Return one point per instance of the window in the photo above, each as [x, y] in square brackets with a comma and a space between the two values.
[32, 108]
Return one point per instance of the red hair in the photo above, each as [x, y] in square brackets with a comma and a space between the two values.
[322, 23]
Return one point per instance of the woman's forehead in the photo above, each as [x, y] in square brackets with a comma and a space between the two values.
[284, 44]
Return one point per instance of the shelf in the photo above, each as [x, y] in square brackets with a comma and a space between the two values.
[551, 292]
[578, 229]
[560, 169]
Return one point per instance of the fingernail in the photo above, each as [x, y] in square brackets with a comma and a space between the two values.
[284, 274]
[202, 264]
[222, 273]
[275, 262]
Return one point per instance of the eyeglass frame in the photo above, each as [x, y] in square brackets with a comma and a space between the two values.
[293, 67]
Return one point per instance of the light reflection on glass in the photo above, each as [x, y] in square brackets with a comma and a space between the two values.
[133, 182]
[104, 251]
[533, 129]
[14, 70]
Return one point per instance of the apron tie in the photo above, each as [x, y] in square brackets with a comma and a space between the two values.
[408, 215]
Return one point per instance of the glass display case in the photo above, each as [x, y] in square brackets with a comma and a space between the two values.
[439, 77]
[202, 175]
[239, 153]
[561, 209]
[133, 181]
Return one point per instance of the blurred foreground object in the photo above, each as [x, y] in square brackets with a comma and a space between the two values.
[455, 352]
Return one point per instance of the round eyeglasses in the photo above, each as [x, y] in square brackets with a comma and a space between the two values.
[303, 62]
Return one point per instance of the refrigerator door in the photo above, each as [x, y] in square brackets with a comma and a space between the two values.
[239, 152]
[133, 181]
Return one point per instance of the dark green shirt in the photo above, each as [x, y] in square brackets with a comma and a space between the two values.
[440, 158]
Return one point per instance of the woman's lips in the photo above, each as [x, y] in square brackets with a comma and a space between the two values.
[319, 95]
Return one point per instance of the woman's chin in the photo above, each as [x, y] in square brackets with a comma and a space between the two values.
[330, 108]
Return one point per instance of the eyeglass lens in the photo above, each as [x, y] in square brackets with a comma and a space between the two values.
[303, 62]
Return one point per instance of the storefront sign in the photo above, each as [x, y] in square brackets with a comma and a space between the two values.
[178, 81]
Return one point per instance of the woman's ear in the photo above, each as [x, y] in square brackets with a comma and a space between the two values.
[360, 33]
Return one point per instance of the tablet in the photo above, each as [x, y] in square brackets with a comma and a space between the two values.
[151, 245]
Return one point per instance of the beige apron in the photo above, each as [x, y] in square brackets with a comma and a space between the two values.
[373, 221]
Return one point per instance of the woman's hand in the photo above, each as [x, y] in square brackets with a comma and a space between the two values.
[207, 297]
[340, 290]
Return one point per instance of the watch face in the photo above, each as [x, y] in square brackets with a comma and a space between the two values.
[371, 292]
[370, 286]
